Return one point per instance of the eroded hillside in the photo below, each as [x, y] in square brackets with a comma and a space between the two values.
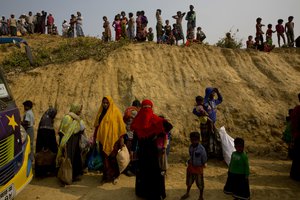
[258, 88]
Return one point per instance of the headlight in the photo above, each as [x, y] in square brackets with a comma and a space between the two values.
[23, 134]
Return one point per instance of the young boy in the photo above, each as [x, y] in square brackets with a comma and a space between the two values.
[289, 30]
[237, 183]
[280, 31]
[269, 33]
[150, 35]
[200, 36]
[259, 32]
[250, 42]
[196, 163]
[159, 26]
[179, 18]
[27, 123]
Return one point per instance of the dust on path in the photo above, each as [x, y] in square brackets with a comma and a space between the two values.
[269, 179]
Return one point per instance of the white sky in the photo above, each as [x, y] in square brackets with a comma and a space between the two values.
[216, 17]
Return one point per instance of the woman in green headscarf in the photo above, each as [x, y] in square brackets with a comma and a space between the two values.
[71, 128]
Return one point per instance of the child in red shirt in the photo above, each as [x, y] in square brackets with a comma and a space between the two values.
[280, 31]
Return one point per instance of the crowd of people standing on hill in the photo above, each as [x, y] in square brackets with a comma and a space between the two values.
[267, 45]
[138, 30]
[127, 27]
[41, 23]
[28, 24]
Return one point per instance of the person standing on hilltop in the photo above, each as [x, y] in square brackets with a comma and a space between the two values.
[131, 27]
[289, 30]
[12, 25]
[72, 26]
[179, 31]
[280, 31]
[50, 23]
[159, 26]
[65, 28]
[124, 23]
[79, 30]
[43, 22]
[191, 20]
[295, 128]
[117, 26]
[259, 32]
[107, 30]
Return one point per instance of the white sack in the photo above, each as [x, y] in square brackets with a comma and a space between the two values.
[227, 144]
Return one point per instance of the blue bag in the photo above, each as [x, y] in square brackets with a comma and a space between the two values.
[95, 161]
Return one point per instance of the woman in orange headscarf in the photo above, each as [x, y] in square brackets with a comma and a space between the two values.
[109, 127]
[150, 182]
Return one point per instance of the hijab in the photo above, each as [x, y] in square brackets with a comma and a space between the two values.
[111, 127]
[48, 119]
[146, 124]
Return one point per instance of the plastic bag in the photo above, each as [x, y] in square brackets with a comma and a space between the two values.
[227, 144]
[84, 142]
[123, 158]
[95, 161]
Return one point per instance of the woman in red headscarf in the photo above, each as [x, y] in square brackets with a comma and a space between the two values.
[150, 182]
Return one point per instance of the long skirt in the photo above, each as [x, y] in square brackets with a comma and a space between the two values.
[237, 185]
[295, 169]
[110, 167]
[45, 140]
[150, 183]
[74, 153]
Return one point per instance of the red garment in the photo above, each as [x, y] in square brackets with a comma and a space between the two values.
[146, 123]
[295, 122]
[195, 169]
[50, 20]
[279, 28]
[128, 113]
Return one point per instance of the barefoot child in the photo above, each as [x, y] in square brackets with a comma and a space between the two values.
[289, 30]
[280, 31]
[237, 183]
[196, 163]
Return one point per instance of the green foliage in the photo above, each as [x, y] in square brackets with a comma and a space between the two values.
[68, 50]
[12, 63]
[3, 48]
[230, 41]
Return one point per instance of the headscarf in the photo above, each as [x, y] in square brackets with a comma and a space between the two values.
[48, 119]
[146, 123]
[208, 92]
[111, 127]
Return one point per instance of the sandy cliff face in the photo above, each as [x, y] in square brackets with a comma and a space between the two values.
[258, 88]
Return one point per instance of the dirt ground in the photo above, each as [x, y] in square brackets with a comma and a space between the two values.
[258, 89]
[269, 179]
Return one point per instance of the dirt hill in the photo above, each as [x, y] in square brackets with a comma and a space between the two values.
[258, 88]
